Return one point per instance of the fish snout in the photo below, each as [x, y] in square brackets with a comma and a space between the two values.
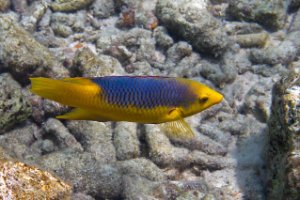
[216, 97]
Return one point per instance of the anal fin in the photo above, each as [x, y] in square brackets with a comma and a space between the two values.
[178, 129]
[82, 114]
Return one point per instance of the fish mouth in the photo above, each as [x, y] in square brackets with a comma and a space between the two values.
[217, 97]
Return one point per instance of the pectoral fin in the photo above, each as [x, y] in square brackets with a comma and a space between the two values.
[177, 129]
[83, 114]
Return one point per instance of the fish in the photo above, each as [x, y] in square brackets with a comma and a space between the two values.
[141, 99]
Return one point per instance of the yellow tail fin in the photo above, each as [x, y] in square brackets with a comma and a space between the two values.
[75, 92]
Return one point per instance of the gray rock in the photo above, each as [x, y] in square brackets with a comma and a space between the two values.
[239, 125]
[293, 38]
[106, 37]
[191, 21]
[250, 152]
[283, 54]
[102, 8]
[235, 93]
[146, 48]
[47, 146]
[4, 4]
[124, 47]
[51, 108]
[89, 64]
[146, 5]
[234, 28]
[252, 40]
[143, 168]
[178, 51]
[67, 19]
[44, 22]
[141, 68]
[23, 55]
[80, 22]
[294, 4]
[62, 136]
[247, 158]
[136, 13]
[81, 196]
[213, 131]
[165, 155]
[258, 100]
[284, 152]
[267, 71]
[295, 20]
[191, 195]
[270, 14]
[163, 40]
[96, 138]
[122, 53]
[34, 13]
[204, 161]
[70, 5]
[47, 38]
[19, 6]
[14, 104]
[139, 188]
[207, 145]
[180, 61]
[61, 30]
[185, 189]
[87, 175]
[18, 141]
[63, 24]
[161, 151]
[187, 67]
[126, 141]
[294, 31]
[217, 73]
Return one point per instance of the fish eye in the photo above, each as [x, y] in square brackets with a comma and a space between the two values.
[203, 99]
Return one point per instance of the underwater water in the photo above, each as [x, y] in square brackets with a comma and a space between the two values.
[245, 147]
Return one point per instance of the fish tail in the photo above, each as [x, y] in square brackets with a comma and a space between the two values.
[75, 92]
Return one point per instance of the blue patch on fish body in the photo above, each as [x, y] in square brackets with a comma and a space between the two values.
[144, 92]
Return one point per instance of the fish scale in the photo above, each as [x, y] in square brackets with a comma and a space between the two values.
[146, 92]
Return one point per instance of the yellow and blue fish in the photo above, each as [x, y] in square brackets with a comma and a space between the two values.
[142, 99]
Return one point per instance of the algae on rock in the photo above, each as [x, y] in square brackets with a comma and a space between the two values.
[284, 147]
[14, 106]
[21, 181]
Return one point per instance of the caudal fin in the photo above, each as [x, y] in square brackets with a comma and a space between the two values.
[75, 92]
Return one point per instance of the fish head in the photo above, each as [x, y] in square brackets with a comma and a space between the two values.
[205, 97]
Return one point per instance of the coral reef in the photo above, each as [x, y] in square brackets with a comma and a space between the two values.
[246, 147]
